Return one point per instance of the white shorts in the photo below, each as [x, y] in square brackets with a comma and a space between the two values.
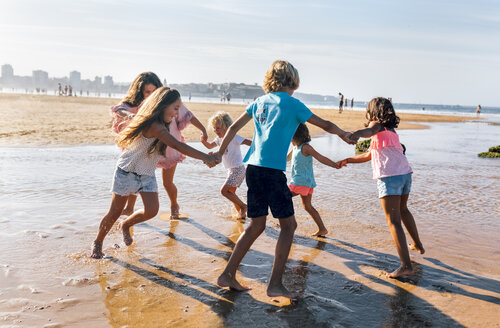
[235, 176]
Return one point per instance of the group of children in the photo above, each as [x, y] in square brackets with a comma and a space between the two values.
[149, 122]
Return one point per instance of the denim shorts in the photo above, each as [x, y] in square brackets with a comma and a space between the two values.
[127, 183]
[267, 188]
[395, 185]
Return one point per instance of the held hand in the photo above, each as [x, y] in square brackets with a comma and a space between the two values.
[203, 136]
[350, 138]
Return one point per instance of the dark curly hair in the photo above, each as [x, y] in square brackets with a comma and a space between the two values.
[381, 110]
[302, 134]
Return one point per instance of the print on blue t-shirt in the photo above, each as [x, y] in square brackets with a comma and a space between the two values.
[261, 114]
[276, 116]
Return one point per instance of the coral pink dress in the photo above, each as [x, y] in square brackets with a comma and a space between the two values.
[387, 155]
[172, 156]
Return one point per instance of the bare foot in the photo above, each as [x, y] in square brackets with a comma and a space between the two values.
[401, 271]
[281, 291]
[127, 238]
[420, 249]
[174, 212]
[226, 280]
[97, 250]
[320, 233]
[243, 212]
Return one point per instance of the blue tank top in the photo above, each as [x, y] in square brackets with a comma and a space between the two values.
[302, 168]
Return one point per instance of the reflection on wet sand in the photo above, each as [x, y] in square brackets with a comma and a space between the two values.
[340, 282]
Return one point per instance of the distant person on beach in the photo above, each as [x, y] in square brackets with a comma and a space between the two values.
[302, 182]
[393, 174]
[141, 88]
[276, 116]
[341, 102]
[144, 140]
[231, 159]
[59, 89]
[228, 97]
[478, 110]
[168, 162]
[352, 103]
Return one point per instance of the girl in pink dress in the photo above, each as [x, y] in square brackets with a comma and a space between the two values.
[141, 88]
[393, 175]
[168, 163]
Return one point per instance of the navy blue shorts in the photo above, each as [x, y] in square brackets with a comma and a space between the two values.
[267, 188]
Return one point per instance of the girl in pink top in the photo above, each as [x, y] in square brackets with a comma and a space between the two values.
[168, 163]
[141, 88]
[393, 174]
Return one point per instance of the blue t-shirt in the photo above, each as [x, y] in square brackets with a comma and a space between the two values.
[276, 116]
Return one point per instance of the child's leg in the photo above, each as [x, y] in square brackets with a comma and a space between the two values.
[230, 193]
[168, 183]
[410, 225]
[114, 212]
[151, 207]
[306, 202]
[247, 238]
[285, 239]
[129, 209]
[392, 209]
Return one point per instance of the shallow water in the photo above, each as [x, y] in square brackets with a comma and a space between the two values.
[51, 201]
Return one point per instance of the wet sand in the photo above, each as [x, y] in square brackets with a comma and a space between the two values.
[52, 198]
[30, 120]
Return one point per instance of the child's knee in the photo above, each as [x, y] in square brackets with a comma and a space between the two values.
[151, 212]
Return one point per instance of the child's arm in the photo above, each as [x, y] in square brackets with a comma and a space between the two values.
[207, 144]
[308, 150]
[160, 132]
[200, 127]
[333, 129]
[231, 132]
[365, 157]
[373, 128]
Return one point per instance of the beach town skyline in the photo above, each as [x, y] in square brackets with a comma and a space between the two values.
[439, 53]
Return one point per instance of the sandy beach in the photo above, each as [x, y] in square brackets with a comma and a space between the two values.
[57, 158]
[30, 120]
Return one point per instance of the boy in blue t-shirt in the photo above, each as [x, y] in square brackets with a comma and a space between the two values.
[276, 116]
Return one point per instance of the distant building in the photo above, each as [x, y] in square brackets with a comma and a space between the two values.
[7, 74]
[108, 83]
[97, 83]
[40, 79]
[75, 80]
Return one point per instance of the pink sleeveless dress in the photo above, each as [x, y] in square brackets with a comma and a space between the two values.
[387, 155]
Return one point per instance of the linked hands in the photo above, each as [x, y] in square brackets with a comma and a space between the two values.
[350, 138]
[212, 159]
[341, 164]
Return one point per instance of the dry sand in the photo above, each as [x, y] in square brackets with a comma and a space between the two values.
[30, 120]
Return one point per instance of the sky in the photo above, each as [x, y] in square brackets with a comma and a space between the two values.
[428, 52]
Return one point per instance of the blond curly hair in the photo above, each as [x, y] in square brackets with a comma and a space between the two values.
[281, 74]
[221, 119]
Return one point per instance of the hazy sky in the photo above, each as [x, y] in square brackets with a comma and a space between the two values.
[444, 52]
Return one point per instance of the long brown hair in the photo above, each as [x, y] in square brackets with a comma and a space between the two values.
[150, 112]
[381, 110]
[135, 94]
